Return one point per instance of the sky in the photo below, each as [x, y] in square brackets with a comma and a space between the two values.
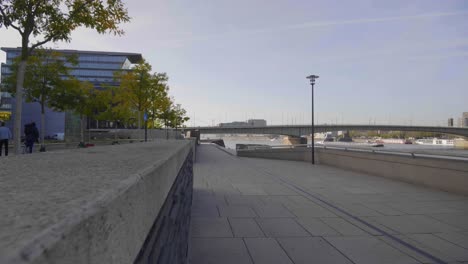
[386, 62]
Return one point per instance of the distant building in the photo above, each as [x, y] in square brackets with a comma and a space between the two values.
[97, 67]
[257, 122]
[463, 121]
[249, 123]
[450, 122]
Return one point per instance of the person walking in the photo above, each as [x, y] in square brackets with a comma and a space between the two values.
[32, 135]
[5, 135]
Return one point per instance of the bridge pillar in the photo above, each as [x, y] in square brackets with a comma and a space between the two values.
[193, 134]
[293, 140]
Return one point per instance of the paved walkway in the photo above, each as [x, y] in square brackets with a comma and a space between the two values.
[269, 211]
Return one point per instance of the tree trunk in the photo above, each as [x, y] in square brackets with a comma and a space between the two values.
[139, 125]
[42, 124]
[89, 129]
[19, 105]
[165, 124]
[115, 133]
[82, 121]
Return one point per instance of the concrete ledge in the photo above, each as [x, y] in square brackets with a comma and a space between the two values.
[297, 154]
[443, 174]
[93, 205]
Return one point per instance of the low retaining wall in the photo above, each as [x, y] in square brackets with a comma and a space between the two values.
[168, 239]
[297, 153]
[443, 174]
[114, 204]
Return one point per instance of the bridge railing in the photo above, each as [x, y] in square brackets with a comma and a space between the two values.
[364, 150]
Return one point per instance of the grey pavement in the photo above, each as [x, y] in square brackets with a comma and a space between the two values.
[272, 211]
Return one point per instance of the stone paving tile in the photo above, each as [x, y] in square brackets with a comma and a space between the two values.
[437, 243]
[358, 209]
[372, 231]
[369, 250]
[211, 227]
[383, 208]
[281, 227]
[249, 200]
[424, 208]
[205, 211]
[457, 220]
[306, 250]
[250, 189]
[407, 224]
[344, 227]
[266, 251]
[278, 189]
[426, 194]
[410, 252]
[276, 200]
[236, 211]
[459, 239]
[219, 250]
[299, 200]
[245, 227]
[272, 210]
[316, 227]
[310, 210]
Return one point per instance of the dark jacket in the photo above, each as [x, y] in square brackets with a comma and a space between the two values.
[31, 133]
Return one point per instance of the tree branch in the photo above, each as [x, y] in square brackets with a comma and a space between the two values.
[39, 43]
[8, 21]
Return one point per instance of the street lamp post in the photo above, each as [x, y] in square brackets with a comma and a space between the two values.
[312, 82]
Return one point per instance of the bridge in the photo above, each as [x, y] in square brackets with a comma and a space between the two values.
[300, 130]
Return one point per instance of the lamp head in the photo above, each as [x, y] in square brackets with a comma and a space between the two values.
[312, 78]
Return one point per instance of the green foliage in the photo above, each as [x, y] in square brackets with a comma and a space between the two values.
[136, 86]
[54, 20]
[81, 98]
[158, 96]
[116, 107]
[176, 116]
[144, 91]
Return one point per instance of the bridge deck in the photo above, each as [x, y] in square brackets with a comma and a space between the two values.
[264, 211]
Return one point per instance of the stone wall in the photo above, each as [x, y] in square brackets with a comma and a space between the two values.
[168, 239]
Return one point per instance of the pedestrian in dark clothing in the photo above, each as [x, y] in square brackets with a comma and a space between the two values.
[32, 135]
[5, 135]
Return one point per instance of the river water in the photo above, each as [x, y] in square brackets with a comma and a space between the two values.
[231, 141]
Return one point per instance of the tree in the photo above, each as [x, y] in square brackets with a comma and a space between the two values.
[116, 107]
[51, 21]
[136, 86]
[45, 72]
[158, 95]
[176, 116]
[166, 112]
[179, 116]
[81, 98]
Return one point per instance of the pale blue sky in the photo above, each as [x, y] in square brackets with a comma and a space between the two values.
[396, 62]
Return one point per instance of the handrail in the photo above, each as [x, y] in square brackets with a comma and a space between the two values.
[396, 153]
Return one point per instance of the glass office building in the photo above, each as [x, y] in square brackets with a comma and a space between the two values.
[97, 67]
